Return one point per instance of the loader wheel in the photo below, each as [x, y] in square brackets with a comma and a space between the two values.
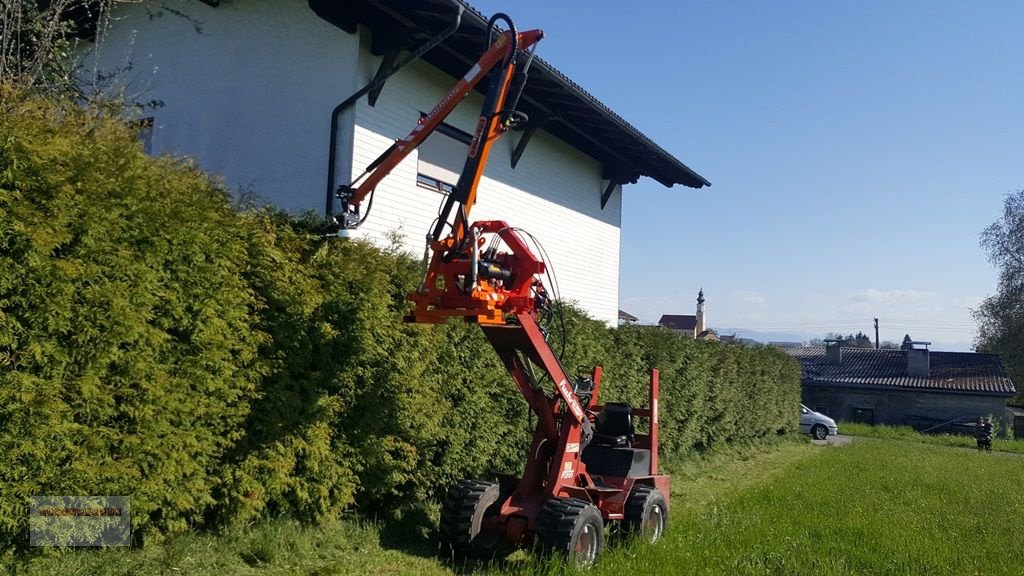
[646, 513]
[464, 509]
[573, 528]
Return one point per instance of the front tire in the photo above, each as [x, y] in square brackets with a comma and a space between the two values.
[646, 513]
[573, 528]
[819, 432]
[465, 507]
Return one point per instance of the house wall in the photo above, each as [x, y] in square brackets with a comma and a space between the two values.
[246, 89]
[250, 94]
[900, 408]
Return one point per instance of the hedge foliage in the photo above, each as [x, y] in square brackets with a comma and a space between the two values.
[218, 365]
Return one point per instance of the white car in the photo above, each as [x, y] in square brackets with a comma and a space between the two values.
[817, 425]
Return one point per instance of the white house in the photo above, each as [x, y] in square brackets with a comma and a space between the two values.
[248, 87]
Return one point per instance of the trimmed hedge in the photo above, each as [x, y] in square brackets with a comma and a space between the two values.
[220, 365]
[127, 357]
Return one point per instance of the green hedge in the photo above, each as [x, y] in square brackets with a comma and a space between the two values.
[127, 357]
[220, 365]
[710, 392]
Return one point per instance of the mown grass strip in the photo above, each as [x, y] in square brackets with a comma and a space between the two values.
[873, 507]
[908, 434]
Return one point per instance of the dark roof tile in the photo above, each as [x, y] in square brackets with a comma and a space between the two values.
[949, 371]
[623, 315]
[678, 322]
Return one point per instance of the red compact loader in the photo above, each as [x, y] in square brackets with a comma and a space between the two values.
[586, 466]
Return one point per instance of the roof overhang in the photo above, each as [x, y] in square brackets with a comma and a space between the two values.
[904, 389]
[551, 100]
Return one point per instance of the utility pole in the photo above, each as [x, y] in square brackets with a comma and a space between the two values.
[876, 333]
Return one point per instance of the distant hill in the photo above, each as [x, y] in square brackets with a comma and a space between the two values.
[766, 337]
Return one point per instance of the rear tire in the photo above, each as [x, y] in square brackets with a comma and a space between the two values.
[465, 507]
[646, 513]
[819, 432]
[572, 528]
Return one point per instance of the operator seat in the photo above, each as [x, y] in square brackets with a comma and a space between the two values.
[614, 426]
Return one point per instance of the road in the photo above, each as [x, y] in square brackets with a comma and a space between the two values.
[837, 440]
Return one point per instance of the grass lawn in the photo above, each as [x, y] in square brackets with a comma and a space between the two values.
[907, 433]
[872, 507]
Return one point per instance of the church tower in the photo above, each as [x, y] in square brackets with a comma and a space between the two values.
[701, 321]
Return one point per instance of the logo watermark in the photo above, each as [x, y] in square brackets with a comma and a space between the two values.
[79, 521]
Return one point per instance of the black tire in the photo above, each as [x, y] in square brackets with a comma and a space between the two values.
[646, 513]
[572, 528]
[464, 509]
[819, 432]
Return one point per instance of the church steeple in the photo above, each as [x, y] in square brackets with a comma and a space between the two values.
[701, 325]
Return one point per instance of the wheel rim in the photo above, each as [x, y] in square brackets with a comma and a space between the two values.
[820, 433]
[484, 540]
[586, 546]
[655, 523]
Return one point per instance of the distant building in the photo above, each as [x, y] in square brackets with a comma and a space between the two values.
[694, 326]
[626, 317]
[934, 391]
[734, 339]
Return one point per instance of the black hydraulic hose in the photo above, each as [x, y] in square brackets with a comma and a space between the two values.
[520, 81]
[512, 27]
[377, 83]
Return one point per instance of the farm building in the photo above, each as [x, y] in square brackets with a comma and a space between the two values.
[935, 391]
[253, 91]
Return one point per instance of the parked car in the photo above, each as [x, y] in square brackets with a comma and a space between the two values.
[816, 424]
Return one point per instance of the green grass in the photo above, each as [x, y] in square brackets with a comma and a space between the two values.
[908, 434]
[872, 507]
[275, 547]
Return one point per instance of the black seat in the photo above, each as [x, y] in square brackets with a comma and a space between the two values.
[614, 426]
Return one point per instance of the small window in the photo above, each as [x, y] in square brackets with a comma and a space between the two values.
[863, 415]
[425, 181]
[441, 158]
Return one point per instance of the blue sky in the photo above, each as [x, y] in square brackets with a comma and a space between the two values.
[856, 151]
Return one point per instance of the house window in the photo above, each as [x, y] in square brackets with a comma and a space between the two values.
[441, 158]
[863, 415]
[424, 181]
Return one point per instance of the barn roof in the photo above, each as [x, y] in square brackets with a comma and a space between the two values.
[678, 321]
[961, 372]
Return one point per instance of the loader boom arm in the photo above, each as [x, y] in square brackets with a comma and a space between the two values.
[500, 62]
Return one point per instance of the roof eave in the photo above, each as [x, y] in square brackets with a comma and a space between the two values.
[632, 154]
[891, 388]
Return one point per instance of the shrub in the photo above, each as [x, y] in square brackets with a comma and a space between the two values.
[710, 392]
[126, 352]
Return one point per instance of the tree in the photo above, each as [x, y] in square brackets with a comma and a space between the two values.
[38, 41]
[860, 340]
[1001, 316]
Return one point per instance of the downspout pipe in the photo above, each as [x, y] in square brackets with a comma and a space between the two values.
[377, 82]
